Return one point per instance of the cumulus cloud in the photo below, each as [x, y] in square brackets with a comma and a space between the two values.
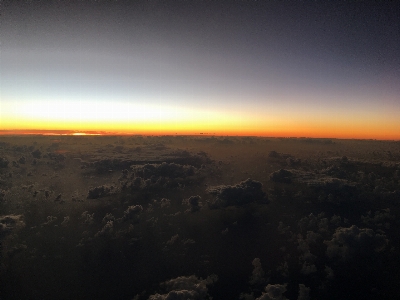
[282, 229]
[173, 240]
[109, 164]
[304, 292]
[108, 217]
[165, 203]
[186, 287]
[106, 230]
[283, 159]
[282, 175]
[101, 191]
[379, 218]
[50, 220]
[10, 222]
[193, 202]
[184, 157]
[283, 269]
[4, 162]
[347, 242]
[132, 213]
[176, 240]
[87, 218]
[2, 194]
[245, 192]
[36, 153]
[308, 268]
[65, 221]
[258, 275]
[316, 223]
[273, 292]
[306, 258]
[329, 272]
[170, 170]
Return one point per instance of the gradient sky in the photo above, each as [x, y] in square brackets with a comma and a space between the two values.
[269, 68]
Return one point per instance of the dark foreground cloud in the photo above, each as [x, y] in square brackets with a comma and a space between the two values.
[186, 287]
[273, 292]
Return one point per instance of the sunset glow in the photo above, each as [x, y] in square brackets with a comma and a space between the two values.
[277, 75]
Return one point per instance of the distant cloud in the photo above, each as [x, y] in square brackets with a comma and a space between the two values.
[36, 153]
[4, 162]
[284, 176]
[245, 192]
[101, 191]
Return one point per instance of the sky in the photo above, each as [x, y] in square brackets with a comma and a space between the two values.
[265, 68]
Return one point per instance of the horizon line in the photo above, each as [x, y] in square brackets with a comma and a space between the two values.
[58, 132]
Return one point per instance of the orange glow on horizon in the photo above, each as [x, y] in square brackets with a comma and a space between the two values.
[165, 131]
[125, 118]
[217, 123]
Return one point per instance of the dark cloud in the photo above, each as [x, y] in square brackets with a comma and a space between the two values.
[107, 229]
[170, 170]
[317, 227]
[329, 272]
[36, 154]
[258, 275]
[164, 203]
[2, 194]
[174, 239]
[101, 191]
[21, 160]
[348, 242]
[10, 222]
[87, 218]
[283, 269]
[4, 162]
[304, 292]
[65, 222]
[284, 176]
[110, 164]
[132, 213]
[184, 157]
[273, 292]
[193, 202]
[186, 287]
[50, 220]
[245, 192]
[108, 217]
[306, 258]
[283, 159]
[379, 218]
